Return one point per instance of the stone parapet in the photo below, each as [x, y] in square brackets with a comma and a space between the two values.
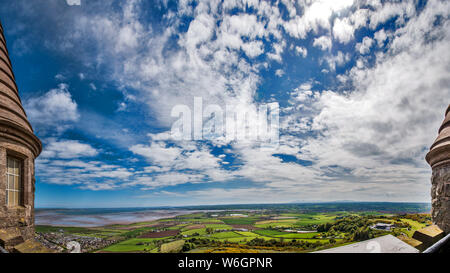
[428, 235]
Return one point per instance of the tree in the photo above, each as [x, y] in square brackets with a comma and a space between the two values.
[209, 230]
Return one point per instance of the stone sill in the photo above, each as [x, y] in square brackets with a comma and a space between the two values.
[15, 208]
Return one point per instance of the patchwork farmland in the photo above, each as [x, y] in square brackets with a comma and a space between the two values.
[256, 231]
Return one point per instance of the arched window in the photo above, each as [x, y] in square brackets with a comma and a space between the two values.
[14, 188]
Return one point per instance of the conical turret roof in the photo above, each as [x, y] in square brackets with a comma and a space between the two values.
[12, 114]
[440, 150]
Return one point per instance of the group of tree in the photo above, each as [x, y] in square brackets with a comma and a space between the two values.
[347, 224]
[284, 243]
[260, 242]
[418, 217]
[362, 234]
[356, 228]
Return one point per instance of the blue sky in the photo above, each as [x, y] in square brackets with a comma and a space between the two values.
[361, 87]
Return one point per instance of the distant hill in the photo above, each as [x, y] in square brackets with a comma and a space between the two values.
[384, 207]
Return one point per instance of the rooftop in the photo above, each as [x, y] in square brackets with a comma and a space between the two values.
[383, 244]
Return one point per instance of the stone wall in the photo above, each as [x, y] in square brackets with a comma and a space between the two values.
[440, 196]
[19, 219]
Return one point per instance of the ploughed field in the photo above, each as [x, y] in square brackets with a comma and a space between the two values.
[256, 231]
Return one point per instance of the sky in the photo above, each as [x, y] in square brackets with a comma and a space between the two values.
[361, 89]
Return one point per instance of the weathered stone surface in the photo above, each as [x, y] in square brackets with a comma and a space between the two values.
[10, 238]
[439, 159]
[429, 235]
[440, 197]
[31, 246]
[412, 242]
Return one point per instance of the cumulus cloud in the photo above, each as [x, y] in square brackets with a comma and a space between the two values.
[316, 15]
[343, 30]
[366, 134]
[365, 45]
[380, 133]
[402, 10]
[301, 51]
[68, 149]
[72, 162]
[279, 72]
[380, 36]
[90, 175]
[174, 161]
[338, 60]
[54, 109]
[323, 42]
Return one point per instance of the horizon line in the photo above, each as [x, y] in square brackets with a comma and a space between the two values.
[236, 204]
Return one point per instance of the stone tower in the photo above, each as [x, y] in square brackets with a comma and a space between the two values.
[18, 149]
[439, 159]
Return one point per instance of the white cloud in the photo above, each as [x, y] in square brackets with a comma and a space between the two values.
[122, 107]
[338, 60]
[357, 140]
[380, 36]
[68, 149]
[279, 72]
[403, 9]
[243, 25]
[54, 109]
[359, 18]
[301, 51]
[73, 2]
[60, 77]
[323, 42]
[343, 30]
[157, 153]
[278, 49]
[381, 131]
[174, 163]
[364, 46]
[90, 175]
[253, 49]
[316, 15]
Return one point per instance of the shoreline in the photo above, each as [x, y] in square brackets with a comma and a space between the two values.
[99, 220]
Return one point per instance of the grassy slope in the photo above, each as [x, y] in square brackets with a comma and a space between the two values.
[133, 245]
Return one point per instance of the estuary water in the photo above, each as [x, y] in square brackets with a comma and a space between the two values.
[101, 217]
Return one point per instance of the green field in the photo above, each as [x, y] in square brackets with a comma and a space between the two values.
[415, 226]
[280, 234]
[218, 226]
[132, 245]
[225, 235]
[240, 220]
[267, 231]
[299, 235]
[172, 247]
[200, 231]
